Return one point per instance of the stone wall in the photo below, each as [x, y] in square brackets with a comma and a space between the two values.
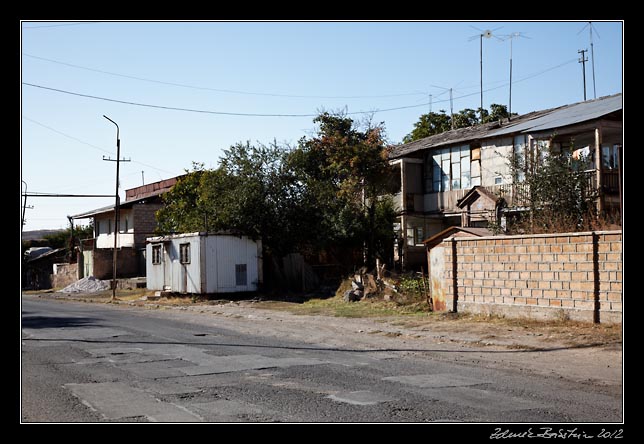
[64, 274]
[574, 276]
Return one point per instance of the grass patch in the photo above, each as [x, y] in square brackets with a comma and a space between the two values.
[337, 307]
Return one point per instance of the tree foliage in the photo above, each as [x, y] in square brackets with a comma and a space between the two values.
[560, 196]
[325, 191]
[435, 123]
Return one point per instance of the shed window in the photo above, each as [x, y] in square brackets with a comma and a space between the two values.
[184, 253]
[240, 274]
[156, 254]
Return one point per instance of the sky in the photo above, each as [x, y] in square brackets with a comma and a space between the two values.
[263, 82]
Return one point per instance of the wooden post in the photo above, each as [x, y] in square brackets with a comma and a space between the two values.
[598, 168]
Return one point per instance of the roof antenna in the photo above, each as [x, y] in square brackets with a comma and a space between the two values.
[592, 53]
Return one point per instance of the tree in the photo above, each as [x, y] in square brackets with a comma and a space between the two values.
[559, 193]
[428, 125]
[436, 123]
[251, 192]
[464, 118]
[345, 171]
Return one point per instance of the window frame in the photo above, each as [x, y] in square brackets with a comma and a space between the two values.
[184, 253]
[156, 254]
[239, 269]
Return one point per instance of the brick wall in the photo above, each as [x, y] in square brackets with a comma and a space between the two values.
[573, 275]
[144, 222]
[65, 275]
[127, 263]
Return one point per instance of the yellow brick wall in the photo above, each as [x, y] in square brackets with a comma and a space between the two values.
[580, 273]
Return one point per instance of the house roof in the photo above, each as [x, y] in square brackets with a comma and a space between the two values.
[47, 254]
[107, 209]
[135, 195]
[438, 238]
[564, 116]
[473, 195]
[531, 122]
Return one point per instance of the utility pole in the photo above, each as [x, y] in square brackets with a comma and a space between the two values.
[24, 207]
[451, 108]
[592, 57]
[481, 111]
[583, 59]
[116, 203]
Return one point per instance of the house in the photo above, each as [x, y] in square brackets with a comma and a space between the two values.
[37, 268]
[461, 177]
[137, 221]
[202, 263]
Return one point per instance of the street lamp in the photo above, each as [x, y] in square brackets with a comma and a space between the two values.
[116, 207]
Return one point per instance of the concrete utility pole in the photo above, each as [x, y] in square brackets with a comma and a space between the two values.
[583, 59]
[24, 207]
[116, 204]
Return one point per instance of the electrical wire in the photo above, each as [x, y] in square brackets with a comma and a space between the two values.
[228, 91]
[227, 113]
[89, 144]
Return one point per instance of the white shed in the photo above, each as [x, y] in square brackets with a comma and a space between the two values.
[203, 263]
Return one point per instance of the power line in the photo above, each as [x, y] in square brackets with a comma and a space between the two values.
[89, 144]
[38, 194]
[58, 25]
[227, 113]
[228, 91]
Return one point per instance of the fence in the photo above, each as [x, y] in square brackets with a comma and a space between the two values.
[572, 275]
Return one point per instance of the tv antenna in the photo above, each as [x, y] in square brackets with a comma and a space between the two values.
[488, 33]
[511, 37]
[590, 27]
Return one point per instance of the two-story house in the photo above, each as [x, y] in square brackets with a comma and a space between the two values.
[137, 221]
[457, 178]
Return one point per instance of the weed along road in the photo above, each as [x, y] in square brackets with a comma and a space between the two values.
[90, 362]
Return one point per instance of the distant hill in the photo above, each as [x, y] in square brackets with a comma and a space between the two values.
[37, 234]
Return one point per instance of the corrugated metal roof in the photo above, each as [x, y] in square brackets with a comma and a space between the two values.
[564, 116]
[531, 122]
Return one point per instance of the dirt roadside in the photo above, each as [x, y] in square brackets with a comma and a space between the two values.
[580, 352]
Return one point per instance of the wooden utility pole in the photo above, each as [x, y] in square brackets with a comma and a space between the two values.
[583, 59]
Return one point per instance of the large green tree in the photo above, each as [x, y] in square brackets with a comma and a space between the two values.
[436, 123]
[345, 172]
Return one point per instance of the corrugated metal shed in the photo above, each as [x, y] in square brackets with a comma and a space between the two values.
[203, 263]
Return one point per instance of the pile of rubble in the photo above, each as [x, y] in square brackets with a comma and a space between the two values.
[88, 284]
[366, 285]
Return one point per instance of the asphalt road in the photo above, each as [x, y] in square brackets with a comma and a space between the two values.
[96, 363]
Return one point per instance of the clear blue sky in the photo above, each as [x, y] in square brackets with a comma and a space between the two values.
[265, 68]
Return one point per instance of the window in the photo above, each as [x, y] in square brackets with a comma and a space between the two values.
[498, 180]
[156, 254]
[419, 235]
[520, 157]
[98, 228]
[126, 224]
[240, 274]
[184, 253]
[109, 226]
[610, 157]
[451, 169]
